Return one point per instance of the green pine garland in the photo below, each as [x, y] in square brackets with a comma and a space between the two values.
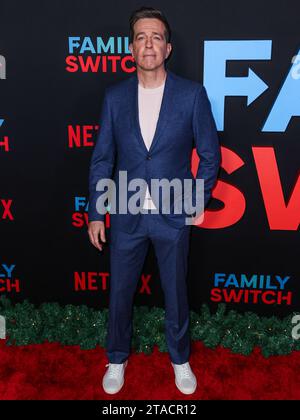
[86, 327]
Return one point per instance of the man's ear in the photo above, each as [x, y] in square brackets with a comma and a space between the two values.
[169, 49]
[130, 47]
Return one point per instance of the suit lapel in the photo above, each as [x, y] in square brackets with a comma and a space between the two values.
[165, 111]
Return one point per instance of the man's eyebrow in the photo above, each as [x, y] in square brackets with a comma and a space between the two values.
[156, 33]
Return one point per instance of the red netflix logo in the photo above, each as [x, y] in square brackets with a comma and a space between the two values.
[81, 136]
[5, 209]
[96, 281]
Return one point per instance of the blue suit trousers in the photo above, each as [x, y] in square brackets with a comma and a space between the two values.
[127, 256]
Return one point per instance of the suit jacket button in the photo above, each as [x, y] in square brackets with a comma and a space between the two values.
[148, 157]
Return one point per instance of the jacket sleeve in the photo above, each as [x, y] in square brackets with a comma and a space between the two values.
[206, 142]
[103, 157]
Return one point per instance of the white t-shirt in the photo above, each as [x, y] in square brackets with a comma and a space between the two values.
[149, 107]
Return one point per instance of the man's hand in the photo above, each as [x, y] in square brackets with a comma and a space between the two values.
[95, 229]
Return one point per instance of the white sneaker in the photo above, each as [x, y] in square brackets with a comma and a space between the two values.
[185, 380]
[113, 379]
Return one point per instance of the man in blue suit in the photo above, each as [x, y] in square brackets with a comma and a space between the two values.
[150, 123]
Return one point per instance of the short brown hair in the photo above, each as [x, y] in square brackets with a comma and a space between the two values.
[149, 12]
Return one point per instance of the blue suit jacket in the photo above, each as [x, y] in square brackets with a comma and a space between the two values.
[185, 121]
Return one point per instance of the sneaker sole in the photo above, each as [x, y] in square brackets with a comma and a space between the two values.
[113, 392]
[185, 392]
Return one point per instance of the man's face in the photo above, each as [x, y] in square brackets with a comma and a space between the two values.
[149, 47]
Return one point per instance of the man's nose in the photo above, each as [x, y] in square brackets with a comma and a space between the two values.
[149, 42]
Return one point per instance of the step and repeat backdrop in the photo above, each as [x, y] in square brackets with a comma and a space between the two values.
[57, 57]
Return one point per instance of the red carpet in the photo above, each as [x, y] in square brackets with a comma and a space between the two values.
[53, 372]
